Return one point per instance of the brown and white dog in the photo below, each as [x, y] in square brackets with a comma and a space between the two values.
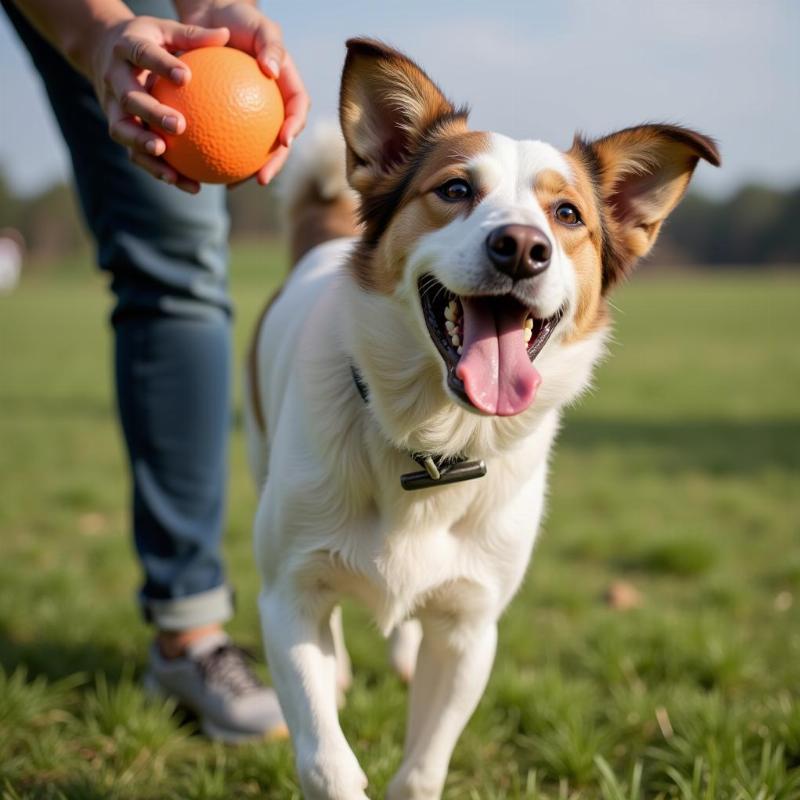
[445, 307]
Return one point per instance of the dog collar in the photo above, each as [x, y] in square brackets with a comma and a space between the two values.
[437, 470]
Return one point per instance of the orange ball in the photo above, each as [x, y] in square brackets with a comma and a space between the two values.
[233, 114]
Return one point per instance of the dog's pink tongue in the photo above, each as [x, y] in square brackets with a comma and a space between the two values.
[495, 369]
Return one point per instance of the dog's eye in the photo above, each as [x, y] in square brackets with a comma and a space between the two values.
[567, 214]
[454, 190]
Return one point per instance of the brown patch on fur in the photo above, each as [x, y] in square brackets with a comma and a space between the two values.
[448, 158]
[550, 184]
[639, 175]
[387, 106]
[379, 267]
[314, 220]
[252, 364]
[394, 118]
[582, 244]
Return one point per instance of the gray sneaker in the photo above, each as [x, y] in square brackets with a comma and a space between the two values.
[215, 681]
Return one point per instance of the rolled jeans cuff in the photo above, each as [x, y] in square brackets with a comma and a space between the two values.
[183, 613]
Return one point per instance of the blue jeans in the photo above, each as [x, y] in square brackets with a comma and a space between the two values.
[167, 256]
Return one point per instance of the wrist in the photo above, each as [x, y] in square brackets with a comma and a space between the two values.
[192, 11]
[81, 42]
[195, 11]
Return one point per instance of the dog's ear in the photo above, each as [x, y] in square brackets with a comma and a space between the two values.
[640, 175]
[387, 105]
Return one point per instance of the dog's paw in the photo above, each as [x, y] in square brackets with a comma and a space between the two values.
[415, 784]
[331, 774]
[403, 649]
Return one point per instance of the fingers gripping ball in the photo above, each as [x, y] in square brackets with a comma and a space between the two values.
[233, 116]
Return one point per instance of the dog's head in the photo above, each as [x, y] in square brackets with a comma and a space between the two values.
[500, 252]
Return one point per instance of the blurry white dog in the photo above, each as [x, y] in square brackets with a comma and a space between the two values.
[405, 388]
[11, 255]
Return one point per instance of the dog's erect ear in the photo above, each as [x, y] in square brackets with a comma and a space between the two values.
[387, 105]
[641, 174]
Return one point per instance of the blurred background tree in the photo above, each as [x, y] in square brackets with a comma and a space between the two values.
[48, 221]
[755, 225]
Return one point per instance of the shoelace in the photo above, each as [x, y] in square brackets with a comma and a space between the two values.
[227, 668]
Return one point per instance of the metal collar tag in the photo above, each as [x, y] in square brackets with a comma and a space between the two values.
[436, 470]
[454, 472]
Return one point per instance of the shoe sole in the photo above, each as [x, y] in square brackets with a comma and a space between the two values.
[219, 733]
[213, 730]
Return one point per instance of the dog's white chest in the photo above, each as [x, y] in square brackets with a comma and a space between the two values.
[408, 567]
[398, 569]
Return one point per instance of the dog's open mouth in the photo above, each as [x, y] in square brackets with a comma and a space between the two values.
[488, 344]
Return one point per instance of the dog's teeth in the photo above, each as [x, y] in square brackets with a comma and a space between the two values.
[449, 313]
[451, 327]
[459, 350]
[529, 323]
[456, 340]
[528, 335]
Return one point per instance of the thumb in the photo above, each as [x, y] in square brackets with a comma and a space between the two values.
[178, 36]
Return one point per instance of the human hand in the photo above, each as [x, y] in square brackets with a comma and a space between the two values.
[261, 38]
[126, 57]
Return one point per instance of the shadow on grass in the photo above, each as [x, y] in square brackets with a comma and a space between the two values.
[55, 659]
[716, 446]
[50, 786]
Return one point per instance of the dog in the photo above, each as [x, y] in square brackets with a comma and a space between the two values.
[12, 252]
[405, 387]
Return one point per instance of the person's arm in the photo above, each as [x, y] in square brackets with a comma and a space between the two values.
[117, 51]
[70, 25]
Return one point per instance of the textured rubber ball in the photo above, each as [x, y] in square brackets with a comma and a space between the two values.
[233, 114]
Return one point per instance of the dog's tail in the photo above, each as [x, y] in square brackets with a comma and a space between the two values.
[319, 203]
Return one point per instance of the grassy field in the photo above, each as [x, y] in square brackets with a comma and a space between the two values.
[679, 475]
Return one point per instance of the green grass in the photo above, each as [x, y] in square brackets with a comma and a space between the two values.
[678, 475]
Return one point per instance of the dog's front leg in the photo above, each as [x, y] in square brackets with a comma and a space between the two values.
[301, 656]
[452, 669]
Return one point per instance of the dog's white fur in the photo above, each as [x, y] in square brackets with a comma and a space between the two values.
[332, 518]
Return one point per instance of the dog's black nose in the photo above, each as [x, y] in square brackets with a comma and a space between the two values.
[519, 251]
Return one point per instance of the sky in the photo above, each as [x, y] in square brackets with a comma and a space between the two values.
[529, 69]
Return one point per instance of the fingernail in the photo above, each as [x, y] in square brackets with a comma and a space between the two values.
[166, 177]
[290, 140]
[274, 67]
[178, 75]
[170, 124]
[151, 146]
